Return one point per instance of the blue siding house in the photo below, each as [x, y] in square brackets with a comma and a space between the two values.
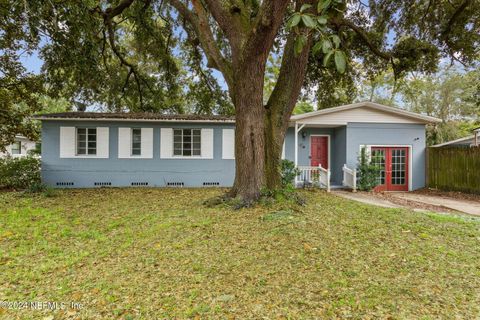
[85, 149]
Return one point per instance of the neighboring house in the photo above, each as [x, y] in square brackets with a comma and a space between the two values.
[470, 141]
[128, 149]
[19, 148]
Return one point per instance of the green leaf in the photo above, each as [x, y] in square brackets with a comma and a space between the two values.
[326, 58]
[323, 5]
[340, 61]
[322, 20]
[308, 21]
[300, 43]
[317, 47]
[326, 46]
[305, 7]
[294, 20]
[336, 40]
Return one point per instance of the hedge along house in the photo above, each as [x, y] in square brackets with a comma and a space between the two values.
[82, 149]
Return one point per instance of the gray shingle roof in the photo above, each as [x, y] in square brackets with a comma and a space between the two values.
[133, 116]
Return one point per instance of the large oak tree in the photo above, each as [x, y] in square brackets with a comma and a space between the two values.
[139, 39]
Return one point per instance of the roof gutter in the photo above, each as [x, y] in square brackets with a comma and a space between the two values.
[134, 120]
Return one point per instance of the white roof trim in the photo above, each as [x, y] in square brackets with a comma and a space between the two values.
[381, 107]
[453, 141]
[133, 120]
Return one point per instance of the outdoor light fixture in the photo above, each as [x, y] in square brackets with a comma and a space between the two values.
[304, 134]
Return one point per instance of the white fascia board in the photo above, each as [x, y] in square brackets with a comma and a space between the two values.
[136, 120]
[367, 104]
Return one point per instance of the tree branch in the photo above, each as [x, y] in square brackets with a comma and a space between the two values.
[123, 61]
[225, 19]
[364, 36]
[108, 16]
[265, 27]
[115, 11]
[200, 25]
[291, 77]
[453, 19]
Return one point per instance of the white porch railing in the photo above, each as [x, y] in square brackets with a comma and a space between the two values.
[349, 178]
[315, 176]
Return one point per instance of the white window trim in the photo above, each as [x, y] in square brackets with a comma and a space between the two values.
[182, 156]
[131, 143]
[68, 143]
[19, 148]
[166, 145]
[125, 143]
[86, 155]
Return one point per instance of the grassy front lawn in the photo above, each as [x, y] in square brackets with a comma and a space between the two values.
[158, 253]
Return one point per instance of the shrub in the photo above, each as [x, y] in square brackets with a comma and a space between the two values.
[20, 173]
[288, 172]
[367, 172]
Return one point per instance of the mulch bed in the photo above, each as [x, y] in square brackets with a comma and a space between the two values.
[449, 194]
[412, 204]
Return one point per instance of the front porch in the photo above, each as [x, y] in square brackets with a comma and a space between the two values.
[320, 177]
[319, 151]
[326, 144]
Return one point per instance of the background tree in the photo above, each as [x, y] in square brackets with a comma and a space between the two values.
[448, 94]
[81, 68]
[123, 53]
[18, 88]
[303, 107]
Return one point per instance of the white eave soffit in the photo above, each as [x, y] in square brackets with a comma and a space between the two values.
[302, 118]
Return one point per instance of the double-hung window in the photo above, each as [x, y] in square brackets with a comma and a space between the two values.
[86, 141]
[136, 142]
[17, 147]
[187, 142]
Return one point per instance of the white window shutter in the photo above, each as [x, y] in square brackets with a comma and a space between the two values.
[102, 142]
[283, 150]
[166, 142]
[228, 144]
[124, 142]
[207, 143]
[147, 143]
[67, 142]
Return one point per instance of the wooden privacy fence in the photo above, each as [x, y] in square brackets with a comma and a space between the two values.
[454, 169]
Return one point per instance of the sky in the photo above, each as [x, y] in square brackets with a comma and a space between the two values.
[32, 63]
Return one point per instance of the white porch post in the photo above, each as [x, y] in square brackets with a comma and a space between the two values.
[297, 130]
[296, 149]
[328, 180]
[296, 144]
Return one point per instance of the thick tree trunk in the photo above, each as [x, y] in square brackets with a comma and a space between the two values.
[249, 132]
[280, 107]
[275, 129]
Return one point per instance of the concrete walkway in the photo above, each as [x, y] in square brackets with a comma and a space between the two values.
[467, 206]
[366, 198]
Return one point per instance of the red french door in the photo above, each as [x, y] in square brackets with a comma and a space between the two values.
[319, 151]
[393, 164]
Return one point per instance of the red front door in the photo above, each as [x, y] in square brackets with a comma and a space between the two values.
[393, 164]
[319, 151]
